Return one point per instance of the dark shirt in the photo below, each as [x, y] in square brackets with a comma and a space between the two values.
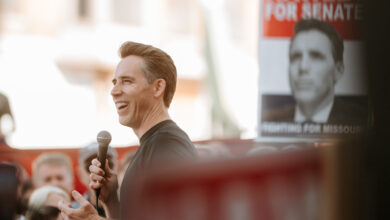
[162, 144]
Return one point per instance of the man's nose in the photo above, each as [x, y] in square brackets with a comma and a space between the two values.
[304, 65]
[115, 90]
[55, 182]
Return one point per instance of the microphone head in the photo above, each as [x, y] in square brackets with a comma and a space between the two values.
[103, 137]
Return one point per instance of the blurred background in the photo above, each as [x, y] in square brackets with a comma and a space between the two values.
[56, 62]
[57, 58]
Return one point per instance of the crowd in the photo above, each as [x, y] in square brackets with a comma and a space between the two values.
[52, 180]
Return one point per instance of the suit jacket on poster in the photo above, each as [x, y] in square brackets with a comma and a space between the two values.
[343, 112]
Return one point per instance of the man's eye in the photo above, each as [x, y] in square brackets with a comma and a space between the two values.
[317, 55]
[294, 57]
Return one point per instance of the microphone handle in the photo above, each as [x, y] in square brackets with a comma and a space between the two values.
[97, 198]
[102, 154]
[100, 211]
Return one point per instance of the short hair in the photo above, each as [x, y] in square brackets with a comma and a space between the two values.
[56, 159]
[327, 29]
[157, 64]
[44, 213]
[39, 197]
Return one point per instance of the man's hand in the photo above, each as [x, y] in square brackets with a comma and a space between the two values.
[85, 212]
[108, 182]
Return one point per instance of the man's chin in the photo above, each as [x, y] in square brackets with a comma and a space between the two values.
[125, 122]
[305, 99]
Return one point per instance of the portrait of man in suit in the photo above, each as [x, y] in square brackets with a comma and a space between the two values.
[316, 64]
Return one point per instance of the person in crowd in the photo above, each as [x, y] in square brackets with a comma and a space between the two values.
[26, 191]
[143, 87]
[44, 201]
[316, 64]
[86, 154]
[9, 190]
[53, 169]
[25, 188]
[46, 213]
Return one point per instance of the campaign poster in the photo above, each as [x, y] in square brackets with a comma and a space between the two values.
[312, 81]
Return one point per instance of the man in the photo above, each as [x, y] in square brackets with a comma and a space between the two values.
[86, 154]
[143, 87]
[53, 169]
[316, 64]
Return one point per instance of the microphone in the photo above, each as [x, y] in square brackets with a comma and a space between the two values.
[103, 139]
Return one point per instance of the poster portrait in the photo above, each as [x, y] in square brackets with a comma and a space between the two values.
[312, 72]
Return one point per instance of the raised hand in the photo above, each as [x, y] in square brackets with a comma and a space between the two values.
[107, 181]
[85, 212]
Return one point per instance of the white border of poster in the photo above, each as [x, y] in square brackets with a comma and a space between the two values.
[281, 115]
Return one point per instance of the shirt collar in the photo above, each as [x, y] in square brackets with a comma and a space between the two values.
[319, 117]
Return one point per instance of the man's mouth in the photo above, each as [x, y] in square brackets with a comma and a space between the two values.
[304, 84]
[120, 106]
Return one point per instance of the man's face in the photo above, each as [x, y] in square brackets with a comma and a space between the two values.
[312, 70]
[132, 94]
[54, 175]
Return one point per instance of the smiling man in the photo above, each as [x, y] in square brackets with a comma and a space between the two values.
[143, 87]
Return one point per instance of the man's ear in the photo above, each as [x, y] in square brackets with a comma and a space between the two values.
[159, 87]
[338, 71]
